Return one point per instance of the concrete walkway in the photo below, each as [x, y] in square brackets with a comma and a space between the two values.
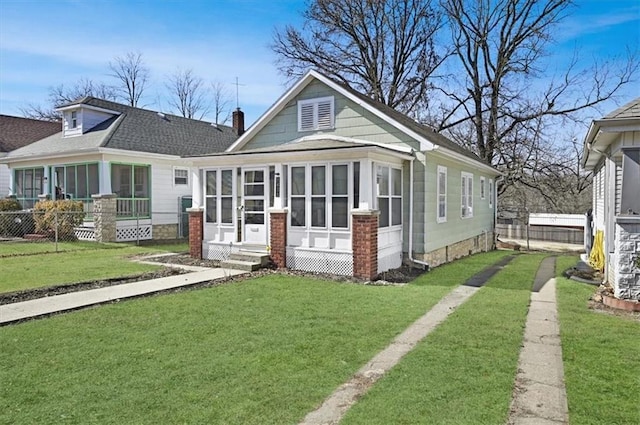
[336, 405]
[539, 395]
[42, 306]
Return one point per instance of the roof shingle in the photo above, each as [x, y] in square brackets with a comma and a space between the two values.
[16, 132]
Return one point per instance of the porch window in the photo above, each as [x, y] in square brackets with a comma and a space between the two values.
[211, 201]
[389, 195]
[28, 185]
[298, 202]
[132, 184]
[78, 182]
[340, 196]
[467, 195]
[318, 196]
[442, 194]
[219, 197]
[629, 199]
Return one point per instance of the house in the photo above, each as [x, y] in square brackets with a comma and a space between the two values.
[612, 152]
[328, 180]
[16, 132]
[117, 158]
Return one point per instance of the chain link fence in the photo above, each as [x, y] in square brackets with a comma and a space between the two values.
[65, 231]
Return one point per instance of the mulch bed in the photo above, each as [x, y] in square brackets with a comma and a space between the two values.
[401, 275]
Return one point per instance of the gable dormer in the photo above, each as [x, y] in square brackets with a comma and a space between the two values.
[79, 118]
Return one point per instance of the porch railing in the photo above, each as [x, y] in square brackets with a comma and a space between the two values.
[133, 207]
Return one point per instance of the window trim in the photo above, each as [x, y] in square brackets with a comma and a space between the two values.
[175, 183]
[441, 170]
[315, 102]
[466, 198]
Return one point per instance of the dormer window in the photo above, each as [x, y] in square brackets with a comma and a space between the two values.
[316, 114]
[74, 119]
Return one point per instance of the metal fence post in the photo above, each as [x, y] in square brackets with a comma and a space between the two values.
[55, 215]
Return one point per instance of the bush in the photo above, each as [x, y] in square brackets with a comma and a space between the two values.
[13, 221]
[66, 214]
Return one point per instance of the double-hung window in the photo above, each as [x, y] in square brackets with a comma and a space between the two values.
[316, 114]
[180, 176]
[482, 189]
[389, 195]
[318, 196]
[298, 197]
[442, 194]
[467, 195]
[490, 193]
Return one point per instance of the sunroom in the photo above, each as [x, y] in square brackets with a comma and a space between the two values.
[317, 184]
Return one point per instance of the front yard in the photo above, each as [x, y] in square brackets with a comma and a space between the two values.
[268, 350]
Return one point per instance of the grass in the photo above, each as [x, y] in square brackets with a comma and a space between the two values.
[601, 354]
[463, 372]
[103, 261]
[263, 351]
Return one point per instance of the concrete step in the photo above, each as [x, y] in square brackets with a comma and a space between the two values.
[248, 266]
[255, 257]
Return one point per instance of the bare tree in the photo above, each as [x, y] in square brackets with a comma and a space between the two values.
[221, 102]
[382, 48]
[501, 98]
[187, 94]
[61, 95]
[132, 76]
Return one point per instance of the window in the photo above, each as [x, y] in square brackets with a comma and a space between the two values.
[315, 114]
[467, 195]
[322, 191]
[482, 194]
[389, 195]
[74, 119]
[629, 199]
[219, 196]
[180, 176]
[490, 193]
[442, 194]
[132, 184]
[28, 185]
[76, 181]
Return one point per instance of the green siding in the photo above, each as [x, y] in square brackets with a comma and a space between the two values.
[455, 228]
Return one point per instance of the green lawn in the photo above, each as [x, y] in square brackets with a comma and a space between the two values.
[100, 262]
[463, 372]
[601, 355]
[261, 351]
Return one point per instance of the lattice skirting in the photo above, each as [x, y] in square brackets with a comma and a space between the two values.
[332, 262]
[220, 252]
[85, 233]
[389, 258]
[133, 233]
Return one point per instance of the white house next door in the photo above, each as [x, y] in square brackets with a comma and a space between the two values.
[254, 217]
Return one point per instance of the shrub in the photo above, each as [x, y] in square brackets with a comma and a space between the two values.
[66, 214]
[13, 221]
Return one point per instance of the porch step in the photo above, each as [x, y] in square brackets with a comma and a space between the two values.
[247, 261]
[247, 266]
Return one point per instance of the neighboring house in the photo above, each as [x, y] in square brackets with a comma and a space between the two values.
[612, 152]
[16, 132]
[331, 181]
[104, 150]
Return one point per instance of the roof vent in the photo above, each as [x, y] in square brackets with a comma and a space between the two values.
[161, 115]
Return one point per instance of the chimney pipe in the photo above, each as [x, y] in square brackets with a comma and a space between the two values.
[238, 121]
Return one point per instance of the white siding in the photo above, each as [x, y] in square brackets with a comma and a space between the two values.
[4, 180]
[598, 195]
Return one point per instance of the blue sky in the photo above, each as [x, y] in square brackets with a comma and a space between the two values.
[45, 43]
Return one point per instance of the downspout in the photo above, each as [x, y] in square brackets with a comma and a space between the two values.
[413, 260]
[495, 207]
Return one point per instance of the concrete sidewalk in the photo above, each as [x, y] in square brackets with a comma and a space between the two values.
[42, 306]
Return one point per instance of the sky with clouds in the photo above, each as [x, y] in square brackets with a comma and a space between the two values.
[45, 43]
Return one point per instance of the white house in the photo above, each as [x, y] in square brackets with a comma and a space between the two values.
[612, 152]
[107, 152]
[328, 180]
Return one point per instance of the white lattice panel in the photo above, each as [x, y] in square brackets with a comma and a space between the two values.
[85, 233]
[216, 252]
[133, 233]
[331, 262]
[389, 258]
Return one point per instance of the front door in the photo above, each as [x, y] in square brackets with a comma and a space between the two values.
[253, 206]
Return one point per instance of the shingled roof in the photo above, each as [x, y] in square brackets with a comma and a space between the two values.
[140, 130]
[16, 132]
[629, 110]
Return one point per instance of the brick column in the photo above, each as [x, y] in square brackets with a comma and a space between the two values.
[278, 241]
[364, 243]
[196, 232]
[104, 217]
